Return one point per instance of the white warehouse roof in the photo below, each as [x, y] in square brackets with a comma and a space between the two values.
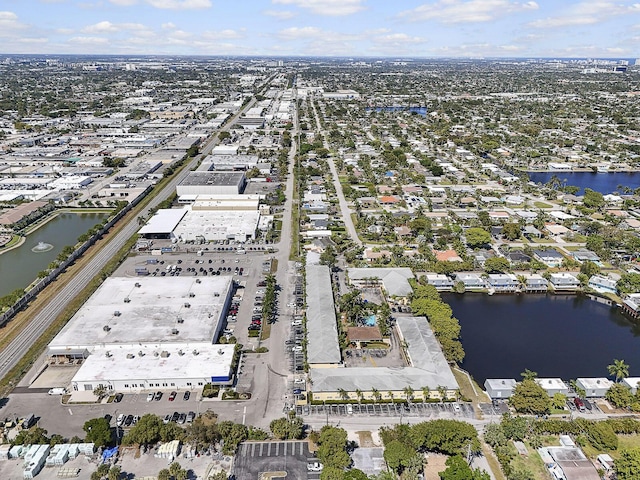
[154, 309]
[163, 222]
[322, 328]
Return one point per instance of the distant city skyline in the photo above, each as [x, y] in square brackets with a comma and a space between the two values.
[405, 28]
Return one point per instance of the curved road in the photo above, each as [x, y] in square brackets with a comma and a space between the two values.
[12, 354]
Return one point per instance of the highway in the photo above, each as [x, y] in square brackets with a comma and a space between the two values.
[12, 354]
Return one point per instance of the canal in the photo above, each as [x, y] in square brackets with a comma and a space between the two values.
[600, 182]
[555, 335]
[20, 266]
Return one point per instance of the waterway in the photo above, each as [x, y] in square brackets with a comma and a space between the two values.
[600, 182]
[397, 108]
[566, 336]
[20, 266]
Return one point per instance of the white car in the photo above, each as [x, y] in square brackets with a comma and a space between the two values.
[296, 349]
[299, 381]
[291, 305]
[314, 467]
[150, 397]
[296, 323]
[120, 419]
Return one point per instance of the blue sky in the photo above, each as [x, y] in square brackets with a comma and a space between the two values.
[427, 28]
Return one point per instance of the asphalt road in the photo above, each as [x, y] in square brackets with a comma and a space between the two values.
[12, 354]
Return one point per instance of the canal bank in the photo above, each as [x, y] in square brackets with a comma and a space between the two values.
[566, 336]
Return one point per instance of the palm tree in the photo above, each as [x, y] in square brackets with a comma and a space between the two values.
[426, 393]
[528, 374]
[359, 394]
[376, 394]
[390, 395]
[442, 391]
[618, 369]
[408, 393]
[344, 395]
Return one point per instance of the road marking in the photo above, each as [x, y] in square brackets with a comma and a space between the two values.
[244, 414]
[70, 412]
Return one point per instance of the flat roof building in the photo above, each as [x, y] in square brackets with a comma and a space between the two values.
[323, 347]
[163, 223]
[146, 366]
[212, 183]
[394, 280]
[126, 310]
[200, 225]
[498, 388]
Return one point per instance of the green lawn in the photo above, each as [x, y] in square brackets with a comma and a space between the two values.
[542, 205]
[531, 462]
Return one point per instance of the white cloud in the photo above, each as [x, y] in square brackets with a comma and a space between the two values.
[295, 33]
[280, 14]
[326, 7]
[9, 21]
[167, 4]
[89, 40]
[471, 11]
[168, 25]
[586, 13]
[227, 34]
[107, 27]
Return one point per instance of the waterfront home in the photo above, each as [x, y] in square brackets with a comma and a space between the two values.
[594, 387]
[499, 387]
[553, 386]
[535, 282]
[586, 256]
[632, 382]
[631, 305]
[564, 282]
[503, 282]
[440, 281]
[551, 258]
[602, 284]
[470, 280]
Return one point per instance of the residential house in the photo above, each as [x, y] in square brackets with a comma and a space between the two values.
[602, 284]
[553, 386]
[503, 282]
[470, 280]
[594, 387]
[440, 281]
[564, 282]
[586, 256]
[551, 258]
[631, 305]
[498, 388]
[535, 283]
[447, 256]
[632, 382]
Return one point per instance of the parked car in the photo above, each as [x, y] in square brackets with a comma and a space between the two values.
[167, 418]
[190, 417]
[118, 397]
[158, 396]
[172, 396]
[181, 418]
[150, 396]
[128, 421]
[120, 420]
[186, 396]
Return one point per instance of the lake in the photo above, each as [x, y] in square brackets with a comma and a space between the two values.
[600, 182]
[566, 336]
[20, 266]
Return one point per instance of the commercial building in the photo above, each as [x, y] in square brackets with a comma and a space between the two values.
[212, 183]
[162, 224]
[200, 226]
[323, 348]
[152, 310]
[138, 367]
[427, 373]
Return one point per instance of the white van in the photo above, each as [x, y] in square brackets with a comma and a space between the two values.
[57, 391]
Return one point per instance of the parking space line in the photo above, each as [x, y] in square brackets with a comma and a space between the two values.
[278, 449]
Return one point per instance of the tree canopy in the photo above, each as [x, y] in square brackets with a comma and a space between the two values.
[477, 237]
[529, 397]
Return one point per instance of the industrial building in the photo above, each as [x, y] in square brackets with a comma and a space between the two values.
[212, 183]
[151, 310]
[202, 226]
[136, 367]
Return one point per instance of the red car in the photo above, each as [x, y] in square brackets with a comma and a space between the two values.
[172, 396]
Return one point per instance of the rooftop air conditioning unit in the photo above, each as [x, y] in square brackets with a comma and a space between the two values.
[196, 352]
[187, 305]
[180, 352]
[174, 331]
[155, 354]
[106, 328]
[180, 320]
[138, 285]
[130, 355]
[191, 294]
[220, 352]
[107, 354]
[141, 353]
[198, 280]
[127, 299]
[164, 354]
[117, 313]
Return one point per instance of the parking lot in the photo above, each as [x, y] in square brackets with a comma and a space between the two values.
[291, 459]
[426, 410]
